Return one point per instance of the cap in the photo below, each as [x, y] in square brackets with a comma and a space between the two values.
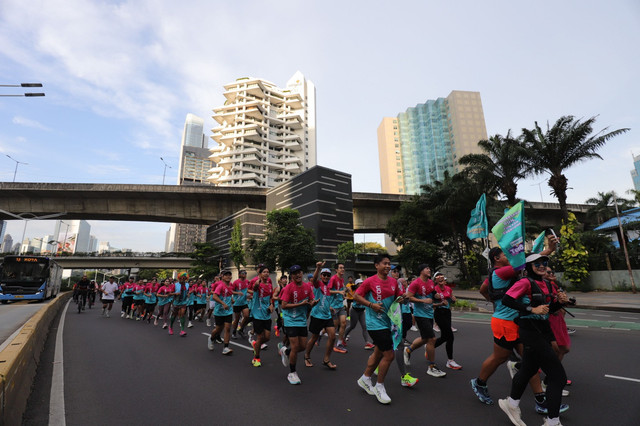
[535, 256]
[325, 271]
[393, 267]
[422, 266]
[242, 271]
[295, 268]
[183, 275]
[437, 274]
[226, 272]
[358, 281]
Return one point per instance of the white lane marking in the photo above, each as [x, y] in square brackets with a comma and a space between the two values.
[249, 348]
[600, 315]
[620, 329]
[622, 378]
[633, 318]
[56, 399]
[10, 338]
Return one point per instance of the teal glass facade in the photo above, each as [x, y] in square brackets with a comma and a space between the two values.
[427, 144]
[635, 173]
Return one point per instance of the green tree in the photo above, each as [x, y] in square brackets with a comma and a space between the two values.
[206, 260]
[604, 206]
[286, 242]
[573, 257]
[500, 166]
[415, 252]
[235, 245]
[347, 252]
[566, 143]
[370, 247]
[162, 274]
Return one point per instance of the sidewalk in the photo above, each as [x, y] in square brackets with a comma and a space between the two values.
[605, 300]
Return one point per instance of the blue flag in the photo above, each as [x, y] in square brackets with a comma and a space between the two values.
[538, 244]
[509, 231]
[478, 227]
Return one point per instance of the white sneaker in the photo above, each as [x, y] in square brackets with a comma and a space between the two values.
[107, 314]
[453, 365]
[293, 378]
[263, 346]
[413, 328]
[511, 366]
[208, 322]
[365, 384]
[227, 351]
[190, 324]
[436, 328]
[381, 394]
[435, 371]
[564, 391]
[406, 354]
[104, 311]
[122, 315]
[283, 355]
[210, 343]
[453, 329]
[547, 423]
[512, 412]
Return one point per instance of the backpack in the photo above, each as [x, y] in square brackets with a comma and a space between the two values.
[498, 293]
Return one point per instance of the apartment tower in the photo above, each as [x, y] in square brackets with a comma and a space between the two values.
[266, 134]
[419, 145]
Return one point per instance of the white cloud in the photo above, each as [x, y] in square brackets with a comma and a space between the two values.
[22, 121]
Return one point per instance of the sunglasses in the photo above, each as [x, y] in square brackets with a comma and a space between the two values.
[326, 275]
[540, 263]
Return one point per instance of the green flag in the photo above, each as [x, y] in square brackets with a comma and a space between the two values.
[478, 227]
[395, 314]
[538, 244]
[509, 231]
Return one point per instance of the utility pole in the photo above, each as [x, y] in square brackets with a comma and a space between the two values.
[624, 244]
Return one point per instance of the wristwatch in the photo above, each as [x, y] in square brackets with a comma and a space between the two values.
[529, 309]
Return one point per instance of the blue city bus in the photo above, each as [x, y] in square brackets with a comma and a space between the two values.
[29, 278]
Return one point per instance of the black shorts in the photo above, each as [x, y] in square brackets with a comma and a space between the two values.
[261, 325]
[106, 301]
[506, 344]
[149, 306]
[198, 306]
[425, 325]
[296, 331]
[382, 339]
[222, 320]
[407, 321]
[316, 325]
[139, 302]
[240, 308]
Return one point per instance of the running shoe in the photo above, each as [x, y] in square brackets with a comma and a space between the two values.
[218, 339]
[276, 330]
[511, 366]
[571, 330]
[263, 346]
[121, 314]
[453, 365]
[227, 350]
[547, 423]
[413, 328]
[340, 349]
[164, 326]
[381, 394]
[155, 321]
[564, 391]
[293, 378]
[436, 328]
[241, 333]
[368, 346]
[104, 311]
[138, 318]
[208, 322]
[283, 356]
[376, 371]
[435, 371]
[234, 335]
[256, 362]
[171, 331]
[107, 315]
[482, 392]
[406, 354]
[210, 343]
[542, 408]
[408, 381]
[512, 412]
[569, 382]
[365, 384]
[453, 329]
[190, 324]
[183, 333]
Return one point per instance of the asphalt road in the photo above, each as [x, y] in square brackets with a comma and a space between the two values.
[118, 371]
[13, 315]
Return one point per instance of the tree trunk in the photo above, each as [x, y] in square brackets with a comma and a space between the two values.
[558, 182]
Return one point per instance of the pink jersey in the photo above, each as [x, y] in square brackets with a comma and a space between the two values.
[294, 293]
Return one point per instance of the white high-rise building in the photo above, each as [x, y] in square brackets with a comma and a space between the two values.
[266, 135]
[93, 244]
[48, 244]
[7, 244]
[75, 237]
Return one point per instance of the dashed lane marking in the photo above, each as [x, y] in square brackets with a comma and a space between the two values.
[249, 348]
[622, 378]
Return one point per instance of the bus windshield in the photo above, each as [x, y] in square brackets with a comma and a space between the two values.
[24, 269]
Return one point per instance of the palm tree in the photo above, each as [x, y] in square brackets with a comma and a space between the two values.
[603, 206]
[500, 166]
[566, 143]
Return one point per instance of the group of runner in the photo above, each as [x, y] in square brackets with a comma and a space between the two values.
[317, 308]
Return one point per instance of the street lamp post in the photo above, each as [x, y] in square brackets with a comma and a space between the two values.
[17, 163]
[26, 94]
[165, 169]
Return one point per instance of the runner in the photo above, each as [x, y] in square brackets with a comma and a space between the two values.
[200, 303]
[442, 315]
[222, 312]
[406, 379]
[138, 299]
[349, 297]
[296, 299]
[420, 292]
[261, 308]
[321, 317]
[357, 316]
[282, 283]
[150, 300]
[534, 299]
[377, 293]
[240, 304]
[108, 291]
[165, 297]
[337, 289]
[558, 325]
[127, 298]
[211, 304]
[180, 300]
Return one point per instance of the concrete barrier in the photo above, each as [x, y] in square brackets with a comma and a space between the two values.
[19, 361]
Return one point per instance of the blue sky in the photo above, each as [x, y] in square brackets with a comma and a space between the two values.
[120, 78]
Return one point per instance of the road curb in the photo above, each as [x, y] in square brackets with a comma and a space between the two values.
[19, 361]
[615, 308]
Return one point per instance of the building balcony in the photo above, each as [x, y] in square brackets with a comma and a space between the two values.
[294, 146]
